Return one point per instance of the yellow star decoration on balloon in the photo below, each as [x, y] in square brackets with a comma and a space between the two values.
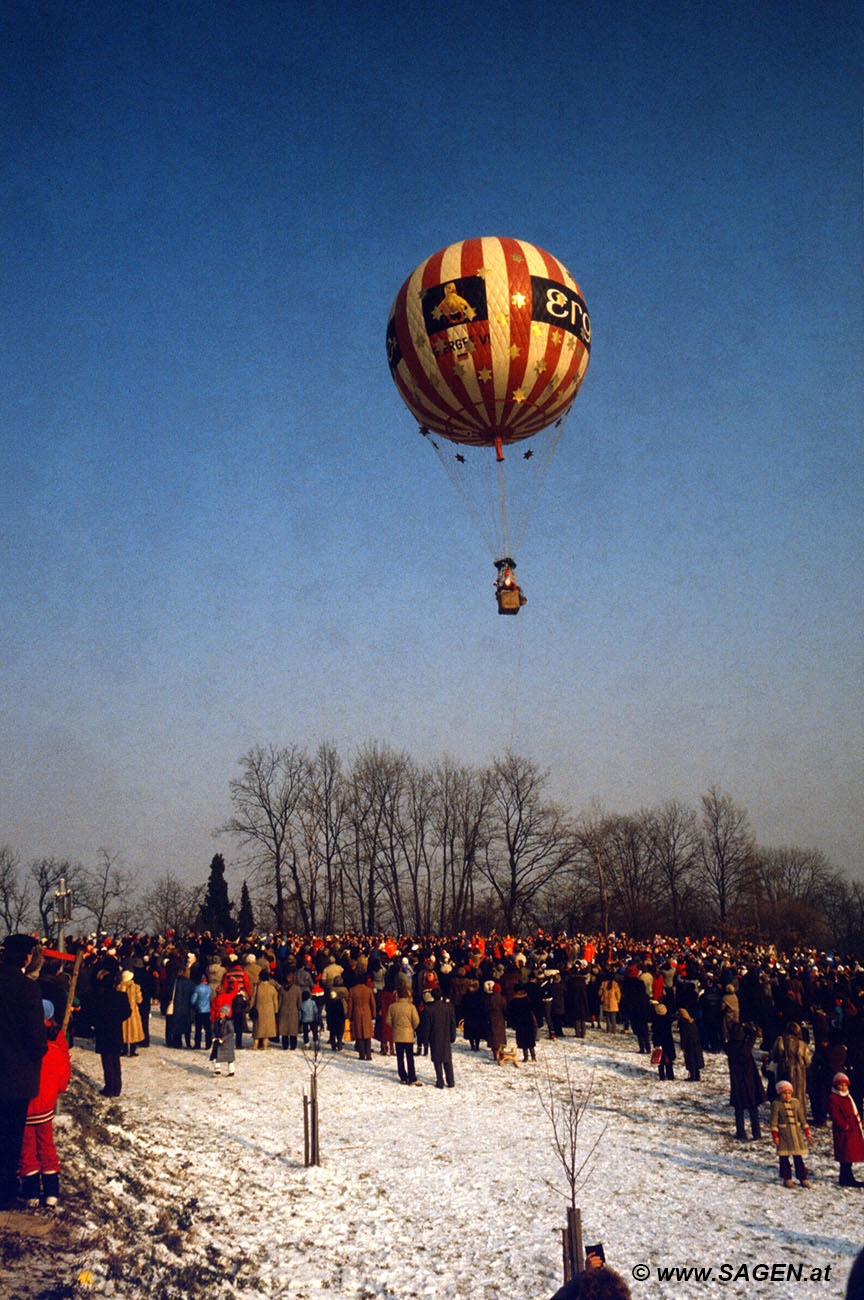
[515, 350]
[484, 375]
[518, 300]
[516, 257]
[518, 395]
[571, 342]
[503, 317]
[419, 340]
[482, 273]
[556, 336]
[540, 365]
[536, 329]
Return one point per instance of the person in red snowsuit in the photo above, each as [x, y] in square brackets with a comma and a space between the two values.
[38, 1152]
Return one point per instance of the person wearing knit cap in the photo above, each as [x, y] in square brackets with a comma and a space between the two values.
[847, 1131]
[790, 1133]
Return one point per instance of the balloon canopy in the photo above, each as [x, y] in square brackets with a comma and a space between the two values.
[488, 341]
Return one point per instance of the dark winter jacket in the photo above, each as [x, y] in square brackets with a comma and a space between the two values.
[110, 1009]
[442, 1030]
[22, 1035]
[745, 1083]
[523, 1020]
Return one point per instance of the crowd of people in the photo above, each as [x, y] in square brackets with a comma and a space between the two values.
[791, 1025]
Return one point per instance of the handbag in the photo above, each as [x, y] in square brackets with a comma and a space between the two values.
[657, 1056]
[169, 1010]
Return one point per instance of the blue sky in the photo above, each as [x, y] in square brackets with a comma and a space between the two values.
[220, 525]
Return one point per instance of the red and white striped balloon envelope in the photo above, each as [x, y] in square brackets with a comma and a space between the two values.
[488, 341]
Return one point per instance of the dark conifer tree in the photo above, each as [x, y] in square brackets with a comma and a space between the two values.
[216, 910]
[245, 917]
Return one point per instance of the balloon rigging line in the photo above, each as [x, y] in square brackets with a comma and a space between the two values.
[533, 497]
[481, 524]
[504, 530]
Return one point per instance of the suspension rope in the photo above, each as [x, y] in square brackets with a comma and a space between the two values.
[481, 524]
[503, 500]
[533, 494]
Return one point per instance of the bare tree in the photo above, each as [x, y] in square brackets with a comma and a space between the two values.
[631, 876]
[461, 802]
[672, 843]
[322, 815]
[792, 888]
[530, 839]
[726, 853]
[171, 905]
[590, 859]
[105, 892]
[565, 1103]
[265, 798]
[15, 899]
[371, 788]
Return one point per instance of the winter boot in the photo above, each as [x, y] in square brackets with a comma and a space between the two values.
[30, 1190]
[51, 1188]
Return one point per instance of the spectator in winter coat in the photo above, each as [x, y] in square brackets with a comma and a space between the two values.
[524, 1022]
[222, 1051]
[335, 1015]
[263, 1010]
[847, 1130]
[474, 1025]
[636, 1007]
[790, 1133]
[178, 1013]
[594, 1283]
[730, 1010]
[309, 1017]
[133, 1030]
[691, 1047]
[22, 1046]
[361, 1013]
[661, 1037]
[792, 1056]
[442, 1035]
[577, 1008]
[110, 1009]
[38, 1152]
[215, 974]
[383, 1032]
[288, 1018]
[610, 1001]
[710, 1007]
[746, 1092]
[403, 1021]
[495, 1009]
[202, 1004]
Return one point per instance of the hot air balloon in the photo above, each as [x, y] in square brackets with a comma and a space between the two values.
[488, 344]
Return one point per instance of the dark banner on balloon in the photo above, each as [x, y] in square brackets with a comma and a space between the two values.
[557, 305]
[394, 352]
[456, 302]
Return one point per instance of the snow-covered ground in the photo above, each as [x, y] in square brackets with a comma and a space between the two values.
[428, 1193]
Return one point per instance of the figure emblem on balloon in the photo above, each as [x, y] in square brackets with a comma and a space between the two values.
[488, 344]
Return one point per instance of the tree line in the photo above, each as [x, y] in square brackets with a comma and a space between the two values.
[380, 841]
